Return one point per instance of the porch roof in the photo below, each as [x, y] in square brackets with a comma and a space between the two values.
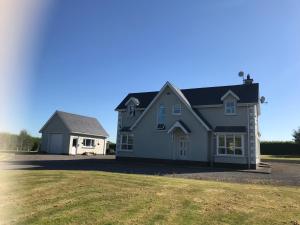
[181, 125]
[233, 129]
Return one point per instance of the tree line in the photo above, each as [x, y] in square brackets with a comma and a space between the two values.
[19, 142]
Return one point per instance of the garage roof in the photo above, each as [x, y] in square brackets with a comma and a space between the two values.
[80, 124]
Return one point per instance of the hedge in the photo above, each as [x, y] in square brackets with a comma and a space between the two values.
[279, 148]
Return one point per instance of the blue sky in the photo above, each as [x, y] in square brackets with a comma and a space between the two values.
[92, 53]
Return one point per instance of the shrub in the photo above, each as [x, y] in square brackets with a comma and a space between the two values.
[279, 148]
[296, 135]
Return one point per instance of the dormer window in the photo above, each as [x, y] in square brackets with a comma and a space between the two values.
[230, 100]
[131, 110]
[131, 104]
[230, 107]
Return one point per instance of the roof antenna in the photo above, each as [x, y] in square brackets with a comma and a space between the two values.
[249, 80]
[241, 74]
[263, 100]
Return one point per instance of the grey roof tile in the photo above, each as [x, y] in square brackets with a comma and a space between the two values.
[202, 96]
[82, 124]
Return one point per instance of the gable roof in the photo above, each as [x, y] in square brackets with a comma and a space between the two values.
[230, 92]
[202, 96]
[181, 125]
[180, 96]
[79, 124]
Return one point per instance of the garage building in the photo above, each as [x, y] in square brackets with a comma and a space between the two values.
[67, 133]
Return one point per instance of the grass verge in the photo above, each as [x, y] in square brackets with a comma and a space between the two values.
[281, 158]
[90, 198]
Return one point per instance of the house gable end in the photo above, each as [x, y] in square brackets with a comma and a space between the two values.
[55, 124]
[182, 99]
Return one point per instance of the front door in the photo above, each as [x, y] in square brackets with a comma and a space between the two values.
[74, 146]
[183, 147]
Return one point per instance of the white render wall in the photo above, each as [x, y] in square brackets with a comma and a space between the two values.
[100, 145]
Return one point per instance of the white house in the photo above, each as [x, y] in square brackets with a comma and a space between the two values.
[67, 133]
[214, 125]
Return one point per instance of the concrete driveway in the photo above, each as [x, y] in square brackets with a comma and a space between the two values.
[282, 173]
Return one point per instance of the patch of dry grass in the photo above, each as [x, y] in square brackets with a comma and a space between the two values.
[69, 197]
[287, 158]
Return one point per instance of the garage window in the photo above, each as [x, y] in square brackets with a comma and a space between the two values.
[87, 142]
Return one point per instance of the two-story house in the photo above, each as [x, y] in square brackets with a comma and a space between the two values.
[214, 125]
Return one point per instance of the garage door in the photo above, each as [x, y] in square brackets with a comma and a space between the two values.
[56, 143]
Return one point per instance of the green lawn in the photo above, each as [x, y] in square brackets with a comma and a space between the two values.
[70, 197]
[287, 158]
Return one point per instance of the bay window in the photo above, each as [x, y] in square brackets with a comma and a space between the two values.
[230, 144]
[127, 142]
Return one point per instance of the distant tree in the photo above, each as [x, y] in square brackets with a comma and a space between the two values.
[296, 135]
[24, 140]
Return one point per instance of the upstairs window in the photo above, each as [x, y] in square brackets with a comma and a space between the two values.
[88, 142]
[230, 107]
[177, 109]
[161, 118]
[131, 110]
[127, 142]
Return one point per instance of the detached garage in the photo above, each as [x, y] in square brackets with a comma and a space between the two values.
[67, 133]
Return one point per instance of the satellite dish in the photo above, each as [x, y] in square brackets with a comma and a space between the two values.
[263, 99]
[241, 74]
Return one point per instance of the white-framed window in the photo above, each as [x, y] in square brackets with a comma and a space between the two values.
[177, 109]
[230, 107]
[161, 117]
[88, 142]
[230, 144]
[131, 110]
[126, 141]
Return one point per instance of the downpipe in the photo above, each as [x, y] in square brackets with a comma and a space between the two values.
[248, 149]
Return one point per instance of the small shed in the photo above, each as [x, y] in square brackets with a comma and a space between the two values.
[67, 133]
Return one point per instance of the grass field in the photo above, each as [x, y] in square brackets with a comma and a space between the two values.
[69, 197]
[287, 158]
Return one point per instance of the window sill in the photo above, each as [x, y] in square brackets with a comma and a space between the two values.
[230, 114]
[125, 150]
[87, 147]
[230, 156]
[160, 131]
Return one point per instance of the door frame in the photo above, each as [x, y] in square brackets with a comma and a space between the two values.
[177, 146]
[76, 147]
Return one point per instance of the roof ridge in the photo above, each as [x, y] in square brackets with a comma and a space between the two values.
[74, 114]
[184, 89]
[224, 86]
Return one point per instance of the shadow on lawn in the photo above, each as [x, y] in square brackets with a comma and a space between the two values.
[112, 165]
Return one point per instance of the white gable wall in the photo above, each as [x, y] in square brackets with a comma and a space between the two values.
[152, 143]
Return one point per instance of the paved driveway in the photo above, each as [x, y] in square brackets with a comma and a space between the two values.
[282, 173]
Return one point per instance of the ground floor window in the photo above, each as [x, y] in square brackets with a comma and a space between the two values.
[87, 142]
[230, 144]
[127, 141]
